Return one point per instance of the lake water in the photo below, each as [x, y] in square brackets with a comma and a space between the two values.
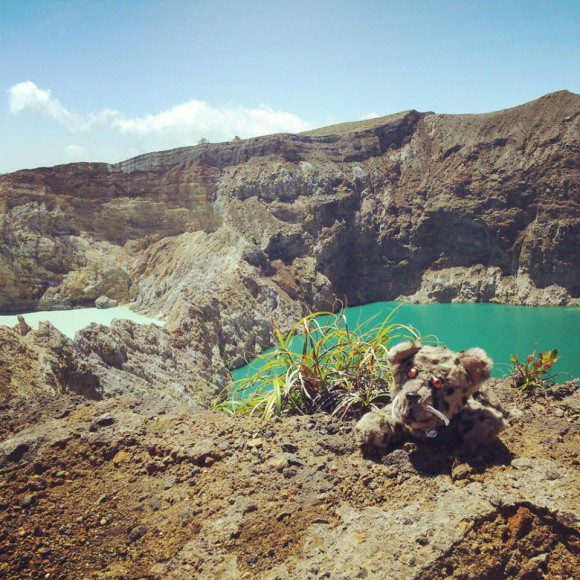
[71, 321]
[500, 330]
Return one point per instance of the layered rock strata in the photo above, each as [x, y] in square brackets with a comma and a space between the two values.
[223, 241]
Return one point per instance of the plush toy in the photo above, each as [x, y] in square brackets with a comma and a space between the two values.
[434, 389]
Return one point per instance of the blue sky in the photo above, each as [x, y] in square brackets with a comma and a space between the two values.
[105, 80]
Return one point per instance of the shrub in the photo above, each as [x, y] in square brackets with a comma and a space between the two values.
[320, 365]
[533, 373]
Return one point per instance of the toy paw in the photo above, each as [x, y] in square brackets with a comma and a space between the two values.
[373, 429]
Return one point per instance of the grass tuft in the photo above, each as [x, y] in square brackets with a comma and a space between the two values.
[534, 372]
[320, 366]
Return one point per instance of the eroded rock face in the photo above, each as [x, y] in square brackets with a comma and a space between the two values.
[413, 193]
[123, 360]
[223, 241]
[40, 361]
[481, 284]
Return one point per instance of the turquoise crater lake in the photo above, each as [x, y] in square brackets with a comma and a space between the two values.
[69, 322]
[501, 330]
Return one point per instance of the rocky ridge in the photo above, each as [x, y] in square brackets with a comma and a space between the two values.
[110, 463]
[222, 240]
[125, 359]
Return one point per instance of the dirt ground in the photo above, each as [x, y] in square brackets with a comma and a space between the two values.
[135, 488]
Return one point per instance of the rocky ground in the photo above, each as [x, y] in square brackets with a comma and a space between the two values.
[111, 464]
[139, 488]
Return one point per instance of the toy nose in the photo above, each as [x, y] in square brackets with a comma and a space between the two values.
[413, 397]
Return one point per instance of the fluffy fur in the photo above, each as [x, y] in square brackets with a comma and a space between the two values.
[461, 397]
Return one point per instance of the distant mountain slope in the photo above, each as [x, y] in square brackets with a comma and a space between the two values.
[344, 128]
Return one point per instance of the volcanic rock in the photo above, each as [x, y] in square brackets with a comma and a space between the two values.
[430, 512]
[223, 240]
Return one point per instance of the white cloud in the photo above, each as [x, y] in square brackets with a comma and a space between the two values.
[182, 124]
[76, 151]
[26, 97]
[368, 116]
[196, 119]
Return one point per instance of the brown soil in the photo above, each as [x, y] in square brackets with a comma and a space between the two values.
[516, 543]
[134, 489]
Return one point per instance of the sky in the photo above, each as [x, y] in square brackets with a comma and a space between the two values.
[105, 80]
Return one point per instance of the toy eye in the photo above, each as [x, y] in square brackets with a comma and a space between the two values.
[437, 383]
[412, 373]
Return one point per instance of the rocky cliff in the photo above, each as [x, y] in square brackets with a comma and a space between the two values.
[435, 207]
[109, 464]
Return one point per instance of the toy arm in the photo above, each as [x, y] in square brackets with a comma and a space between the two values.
[377, 428]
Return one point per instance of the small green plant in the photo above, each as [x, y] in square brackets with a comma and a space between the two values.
[534, 372]
[320, 366]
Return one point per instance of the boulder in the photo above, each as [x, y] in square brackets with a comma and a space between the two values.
[105, 302]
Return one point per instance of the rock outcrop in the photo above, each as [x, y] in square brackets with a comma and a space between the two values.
[123, 360]
[222, 240]
[36, 362]
[104, 302]
[109, 464]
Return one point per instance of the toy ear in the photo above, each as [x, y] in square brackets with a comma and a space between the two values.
[477, 364]
[403, 351]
